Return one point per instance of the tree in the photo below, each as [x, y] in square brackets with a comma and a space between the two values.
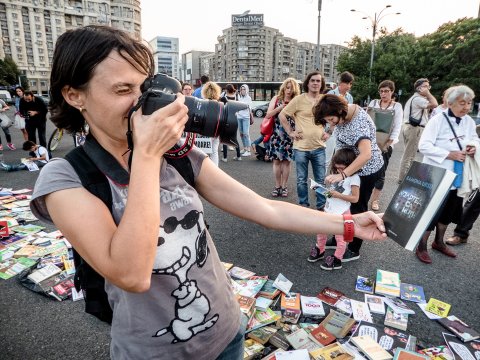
[446, 57]
[9, 73]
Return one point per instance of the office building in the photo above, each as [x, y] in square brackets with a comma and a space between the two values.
[29, 29]
[165, 54]
[193, 67]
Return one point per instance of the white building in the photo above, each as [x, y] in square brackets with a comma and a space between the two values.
[166, 55]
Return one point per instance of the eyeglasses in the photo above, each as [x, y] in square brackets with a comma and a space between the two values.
[426, 86]
[384, 91]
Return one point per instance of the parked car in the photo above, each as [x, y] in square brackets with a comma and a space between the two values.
[260, 110]
[6, 97]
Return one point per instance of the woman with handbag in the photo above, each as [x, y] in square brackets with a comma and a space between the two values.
[5, 124]
[281, 145]
[19, 119]
[387, 115]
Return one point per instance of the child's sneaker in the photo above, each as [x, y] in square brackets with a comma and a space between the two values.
[331, 263]
[11, 146]
[315, 255]
[1, 147]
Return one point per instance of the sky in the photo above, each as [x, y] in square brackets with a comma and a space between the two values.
[198, 23]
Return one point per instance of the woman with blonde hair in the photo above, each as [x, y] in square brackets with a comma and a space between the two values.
[211, 91]
[281, 145]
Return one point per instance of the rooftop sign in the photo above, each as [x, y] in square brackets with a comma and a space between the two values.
[247, 20]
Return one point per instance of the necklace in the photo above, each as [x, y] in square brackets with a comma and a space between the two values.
[380, 105]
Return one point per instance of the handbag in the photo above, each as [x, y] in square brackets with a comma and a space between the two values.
[383, 120]
[411, 120]
[266, 127]
[5, 121]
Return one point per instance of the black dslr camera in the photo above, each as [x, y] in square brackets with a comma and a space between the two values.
[205, 117]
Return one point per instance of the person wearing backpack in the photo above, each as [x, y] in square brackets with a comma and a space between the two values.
[170, 294]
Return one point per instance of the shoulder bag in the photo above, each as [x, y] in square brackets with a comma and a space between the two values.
[411, 120]
[457, 165]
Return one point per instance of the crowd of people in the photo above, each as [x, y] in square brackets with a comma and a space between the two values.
[148, 288]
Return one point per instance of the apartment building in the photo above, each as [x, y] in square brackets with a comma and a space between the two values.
[248, 50]
[30, 28]
[193, 66]
[166, 55]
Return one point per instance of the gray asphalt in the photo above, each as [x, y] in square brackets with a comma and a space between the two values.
[36, 327]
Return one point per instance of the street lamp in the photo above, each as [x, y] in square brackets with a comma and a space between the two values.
[375, 20]
[317, 52]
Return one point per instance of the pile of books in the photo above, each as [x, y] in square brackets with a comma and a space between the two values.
[44, 260]
[285, 324]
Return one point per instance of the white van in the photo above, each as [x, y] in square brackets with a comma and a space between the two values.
[5, 96]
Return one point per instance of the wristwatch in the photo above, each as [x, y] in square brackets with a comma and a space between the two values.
[348, 227]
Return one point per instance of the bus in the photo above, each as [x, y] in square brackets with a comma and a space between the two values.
[259, 91]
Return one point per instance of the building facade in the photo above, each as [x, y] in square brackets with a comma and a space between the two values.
[251, 51]
[166, 55]
[193, 67]
[29, 29]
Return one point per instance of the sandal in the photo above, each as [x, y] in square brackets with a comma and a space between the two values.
[284, 192]
[276, 192]
[375, 205]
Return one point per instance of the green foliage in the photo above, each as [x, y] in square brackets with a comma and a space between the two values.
[9, 72]
[446, 57]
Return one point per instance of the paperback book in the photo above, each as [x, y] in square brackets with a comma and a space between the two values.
[375, 304]
[338, 324]
[282, 284]
[322, 336]
[334, 351]
[463, 331]
[402, 354]
[312, 307]
[250, 287]
[370, 348]
[415, 203]
[412, 292]
[268, 290]
[440, 352]
[387, 283]
[438, 307]
[299, 339]
[301, 354]
[387, 337]
[330, 296]
[398, 306]
[262, 335]
[364, 284]
[461, 350]
[360, 311]
[396, 320]
[344, 304]
[240, 273]
[291, 309]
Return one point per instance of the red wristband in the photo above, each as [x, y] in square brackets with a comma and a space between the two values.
[348, 228]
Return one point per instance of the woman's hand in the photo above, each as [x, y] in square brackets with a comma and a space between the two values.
[296, 135]
[369, 226]
[470, 149]
[155, 134]
[457, 156]
[333, 178]
[326, 136]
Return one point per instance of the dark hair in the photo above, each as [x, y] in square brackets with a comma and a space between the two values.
[21, 88]
[186, 84]
[77, 53]
[344, 156]
[28, 92]
[387, 83]
[330, 105]
[204, 79]
[346, 77]
[27, 145]
[230, 88]
[419, 82]
[307, 80]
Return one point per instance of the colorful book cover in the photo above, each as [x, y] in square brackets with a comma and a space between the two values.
[344, 304]
[398, 306]
[463, 331]
[402, 354]
[330, 296]
[415, 203]
[262, 318]
[364, 284]
[322, 336]
[239, 273]
[250, 287]
[388, 338]
[460, 349]
[4, 231]
[360, 311]
[438, 307]
[440, 352]
[375, 304]
[330, 352]
[396, 320]
[282, 284]
[387, 283]
[412, 292]
[370, 348]
[299, 339]
[312, 307]
[337, 323]
[268, 290]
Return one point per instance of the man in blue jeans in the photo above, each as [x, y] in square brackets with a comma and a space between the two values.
[308, 138]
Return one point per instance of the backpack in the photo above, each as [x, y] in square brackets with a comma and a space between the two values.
[86, 278]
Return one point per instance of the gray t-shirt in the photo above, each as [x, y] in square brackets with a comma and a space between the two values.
[190, 311]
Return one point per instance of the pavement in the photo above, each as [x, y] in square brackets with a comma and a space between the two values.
[33, 326]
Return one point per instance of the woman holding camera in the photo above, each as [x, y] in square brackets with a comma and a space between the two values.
[170, 294]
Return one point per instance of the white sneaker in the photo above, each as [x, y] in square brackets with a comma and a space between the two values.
[224, 159]
[237, 158]
[246, 153]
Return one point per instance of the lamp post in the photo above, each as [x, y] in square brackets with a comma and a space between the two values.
[317, 52]
[375, 20]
